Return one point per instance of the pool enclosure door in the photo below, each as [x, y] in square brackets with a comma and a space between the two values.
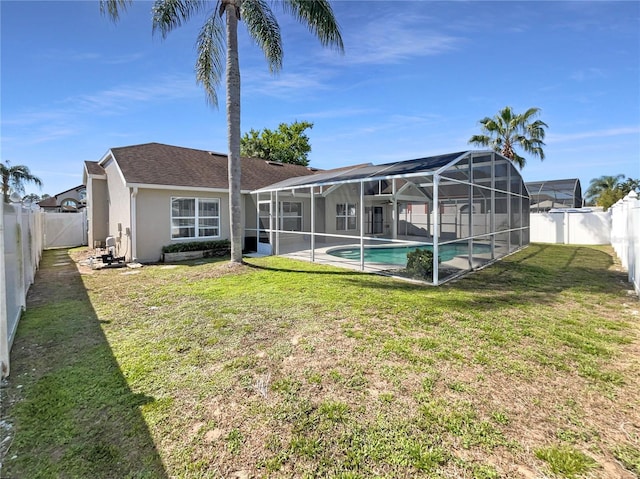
[374, 220]
[265, 218]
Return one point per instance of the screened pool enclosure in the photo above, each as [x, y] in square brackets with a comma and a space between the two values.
[547, 195]
[468, 208]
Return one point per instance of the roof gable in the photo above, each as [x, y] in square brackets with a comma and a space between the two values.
[93, 168]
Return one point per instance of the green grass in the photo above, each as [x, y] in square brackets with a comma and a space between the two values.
[566, 461]
[282, 368]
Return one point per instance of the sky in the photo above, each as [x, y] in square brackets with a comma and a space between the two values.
[414, 81]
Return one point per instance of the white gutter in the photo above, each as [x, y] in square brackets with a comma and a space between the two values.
[182, 188]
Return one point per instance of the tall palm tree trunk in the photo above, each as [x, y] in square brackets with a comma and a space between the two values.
[233, 126]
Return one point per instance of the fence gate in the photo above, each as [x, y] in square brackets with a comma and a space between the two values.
[65, 229]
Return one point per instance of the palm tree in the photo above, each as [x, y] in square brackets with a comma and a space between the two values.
[264, 30]
[14, 177]
[506, 130]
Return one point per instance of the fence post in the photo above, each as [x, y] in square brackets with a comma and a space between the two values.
[4, 330]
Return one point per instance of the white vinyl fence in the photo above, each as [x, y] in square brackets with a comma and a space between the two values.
[571, 226]
[625, 235]
[24, 233]
[21, 243]
[65, 229]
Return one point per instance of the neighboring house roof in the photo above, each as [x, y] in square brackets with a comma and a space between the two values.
[49, 202]
[53, 201]
[165, 165]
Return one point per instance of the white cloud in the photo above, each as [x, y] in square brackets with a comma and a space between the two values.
[397, 39]
[122, 97]
[339, 113]
[284, 85]
[588, 74]
[68, 117]
[592, 135]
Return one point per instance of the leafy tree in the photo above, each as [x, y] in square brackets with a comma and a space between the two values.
[508, 130]
[606, 190]
[263, 28]
[14, 177]
[287, 144]
[599, 185]
[31, 198]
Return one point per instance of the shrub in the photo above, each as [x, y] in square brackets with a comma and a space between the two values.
[420, 263]
[217, 248]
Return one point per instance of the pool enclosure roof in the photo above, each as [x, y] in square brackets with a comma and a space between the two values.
[400, 169]
[566, 193]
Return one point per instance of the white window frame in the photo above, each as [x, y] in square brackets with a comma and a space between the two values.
[196, 219]
[286, 215]
[346, 216]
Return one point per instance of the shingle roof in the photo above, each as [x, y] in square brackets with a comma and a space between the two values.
[94, 168]
[48, 202]
[159, 164]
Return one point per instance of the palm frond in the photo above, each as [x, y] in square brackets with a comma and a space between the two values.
[209, 64]
[112, 8]
[481, 140]
[264, 30]
[170, 14]
[530, 113]
[318, 16]
[517, 159]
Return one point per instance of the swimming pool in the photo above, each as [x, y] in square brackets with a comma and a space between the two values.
[397, 255]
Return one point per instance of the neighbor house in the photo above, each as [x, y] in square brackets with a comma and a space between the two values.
[151, 195]
[69, 201]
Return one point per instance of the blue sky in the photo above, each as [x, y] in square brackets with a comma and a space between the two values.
[414, 80]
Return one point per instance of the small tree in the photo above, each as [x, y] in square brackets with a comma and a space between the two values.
[32, 198]
[287, 144]
[605, 191]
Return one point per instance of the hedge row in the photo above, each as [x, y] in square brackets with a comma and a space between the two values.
[222, 246]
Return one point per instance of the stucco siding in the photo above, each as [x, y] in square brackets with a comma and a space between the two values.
[153, 220]
[97, 210]
[119, 224]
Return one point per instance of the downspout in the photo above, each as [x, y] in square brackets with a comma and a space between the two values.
[134, 222]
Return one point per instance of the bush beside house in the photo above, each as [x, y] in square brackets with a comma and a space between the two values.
[195, 249]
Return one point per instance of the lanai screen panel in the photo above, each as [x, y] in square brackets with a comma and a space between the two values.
[470, 208]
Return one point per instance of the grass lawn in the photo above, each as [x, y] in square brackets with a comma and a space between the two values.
[527, 369]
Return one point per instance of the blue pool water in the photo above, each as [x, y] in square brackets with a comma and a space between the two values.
[397, 255]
